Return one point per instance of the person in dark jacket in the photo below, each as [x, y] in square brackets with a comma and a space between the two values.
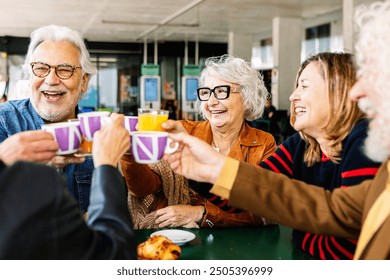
[40, 219]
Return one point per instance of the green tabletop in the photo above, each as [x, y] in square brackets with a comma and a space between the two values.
[261, 243]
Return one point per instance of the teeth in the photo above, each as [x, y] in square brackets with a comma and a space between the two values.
[52, 94]
[217, 112]
[53, 97]
[299, 110]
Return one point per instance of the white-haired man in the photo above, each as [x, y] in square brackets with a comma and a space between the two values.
[60, 68]
[41, 220]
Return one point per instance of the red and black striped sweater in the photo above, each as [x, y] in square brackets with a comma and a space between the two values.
[354, 168]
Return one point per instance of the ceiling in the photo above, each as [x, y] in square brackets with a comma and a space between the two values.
[165, 20]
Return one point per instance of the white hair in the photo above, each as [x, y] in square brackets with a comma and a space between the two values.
[373, 60]
[60, 33]
[238, 71]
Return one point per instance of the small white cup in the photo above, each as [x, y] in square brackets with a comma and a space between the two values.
[150, 146]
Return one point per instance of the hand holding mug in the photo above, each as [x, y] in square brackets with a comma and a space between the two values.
[195, 159]
[63, 160]
[111, 141]
[173, 126]
[149, 146]
[68, 137]
[33, 145]
[91, 122]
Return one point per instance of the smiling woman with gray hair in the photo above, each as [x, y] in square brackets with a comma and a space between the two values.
[237, 71]
[231, 91]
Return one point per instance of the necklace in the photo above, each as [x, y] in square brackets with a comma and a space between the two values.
[214, 146]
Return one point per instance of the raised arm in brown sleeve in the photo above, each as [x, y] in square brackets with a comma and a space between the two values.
[140, 179]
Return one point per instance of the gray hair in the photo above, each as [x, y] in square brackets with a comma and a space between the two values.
[60, 33]
[373, 58]
[238, 71]
[372, 24]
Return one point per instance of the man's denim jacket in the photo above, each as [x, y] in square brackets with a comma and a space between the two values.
[20, 115]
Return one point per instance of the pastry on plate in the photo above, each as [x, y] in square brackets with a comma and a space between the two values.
[158, 248]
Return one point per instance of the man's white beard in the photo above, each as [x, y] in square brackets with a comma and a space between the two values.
[377, 144]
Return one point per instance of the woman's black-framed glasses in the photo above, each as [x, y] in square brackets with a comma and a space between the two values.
[220, 92]
[63, 71]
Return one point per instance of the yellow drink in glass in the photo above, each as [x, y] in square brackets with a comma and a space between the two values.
[149, 119]
[86, 146]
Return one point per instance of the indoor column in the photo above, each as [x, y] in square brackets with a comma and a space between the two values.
[240, 45]
[287, 36]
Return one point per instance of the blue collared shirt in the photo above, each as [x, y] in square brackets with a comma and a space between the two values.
[20, 115]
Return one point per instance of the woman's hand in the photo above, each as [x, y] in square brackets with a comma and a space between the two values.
[178, 215]
[173, 126]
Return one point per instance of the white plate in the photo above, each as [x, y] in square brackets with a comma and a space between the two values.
[83, 154]
[177, 236]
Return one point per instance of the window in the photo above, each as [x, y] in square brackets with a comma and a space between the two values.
[317, 39]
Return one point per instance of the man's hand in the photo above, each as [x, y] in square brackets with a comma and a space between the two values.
[62, 161]
[33, 145]
[111, 142]
[195, 159]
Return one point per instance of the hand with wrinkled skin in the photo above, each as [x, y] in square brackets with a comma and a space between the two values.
[178, 215]
[174, 126]
[195, 159]
[33, 145]
[111, 142]
[62, 161]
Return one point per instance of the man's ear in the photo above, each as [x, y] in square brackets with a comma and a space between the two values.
[85, 81]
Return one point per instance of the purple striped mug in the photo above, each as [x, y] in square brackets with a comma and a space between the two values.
[67, 135]
[91, 122]
[150, 146]
[130, 123]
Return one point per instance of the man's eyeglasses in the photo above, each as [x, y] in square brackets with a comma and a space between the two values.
[63, 71]
[220, 92]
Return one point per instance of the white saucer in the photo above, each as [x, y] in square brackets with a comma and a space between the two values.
[177, 236]
[83, 154]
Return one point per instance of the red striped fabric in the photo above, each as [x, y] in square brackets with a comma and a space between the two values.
[224, 203]
[341, 248]
[283, 163]
[320, 246]
[369, 171]
[312, 243]
[324, 158]
[334, 256]
[286, 153]
[272, 166]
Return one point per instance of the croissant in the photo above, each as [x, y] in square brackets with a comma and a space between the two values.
[158, 248]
